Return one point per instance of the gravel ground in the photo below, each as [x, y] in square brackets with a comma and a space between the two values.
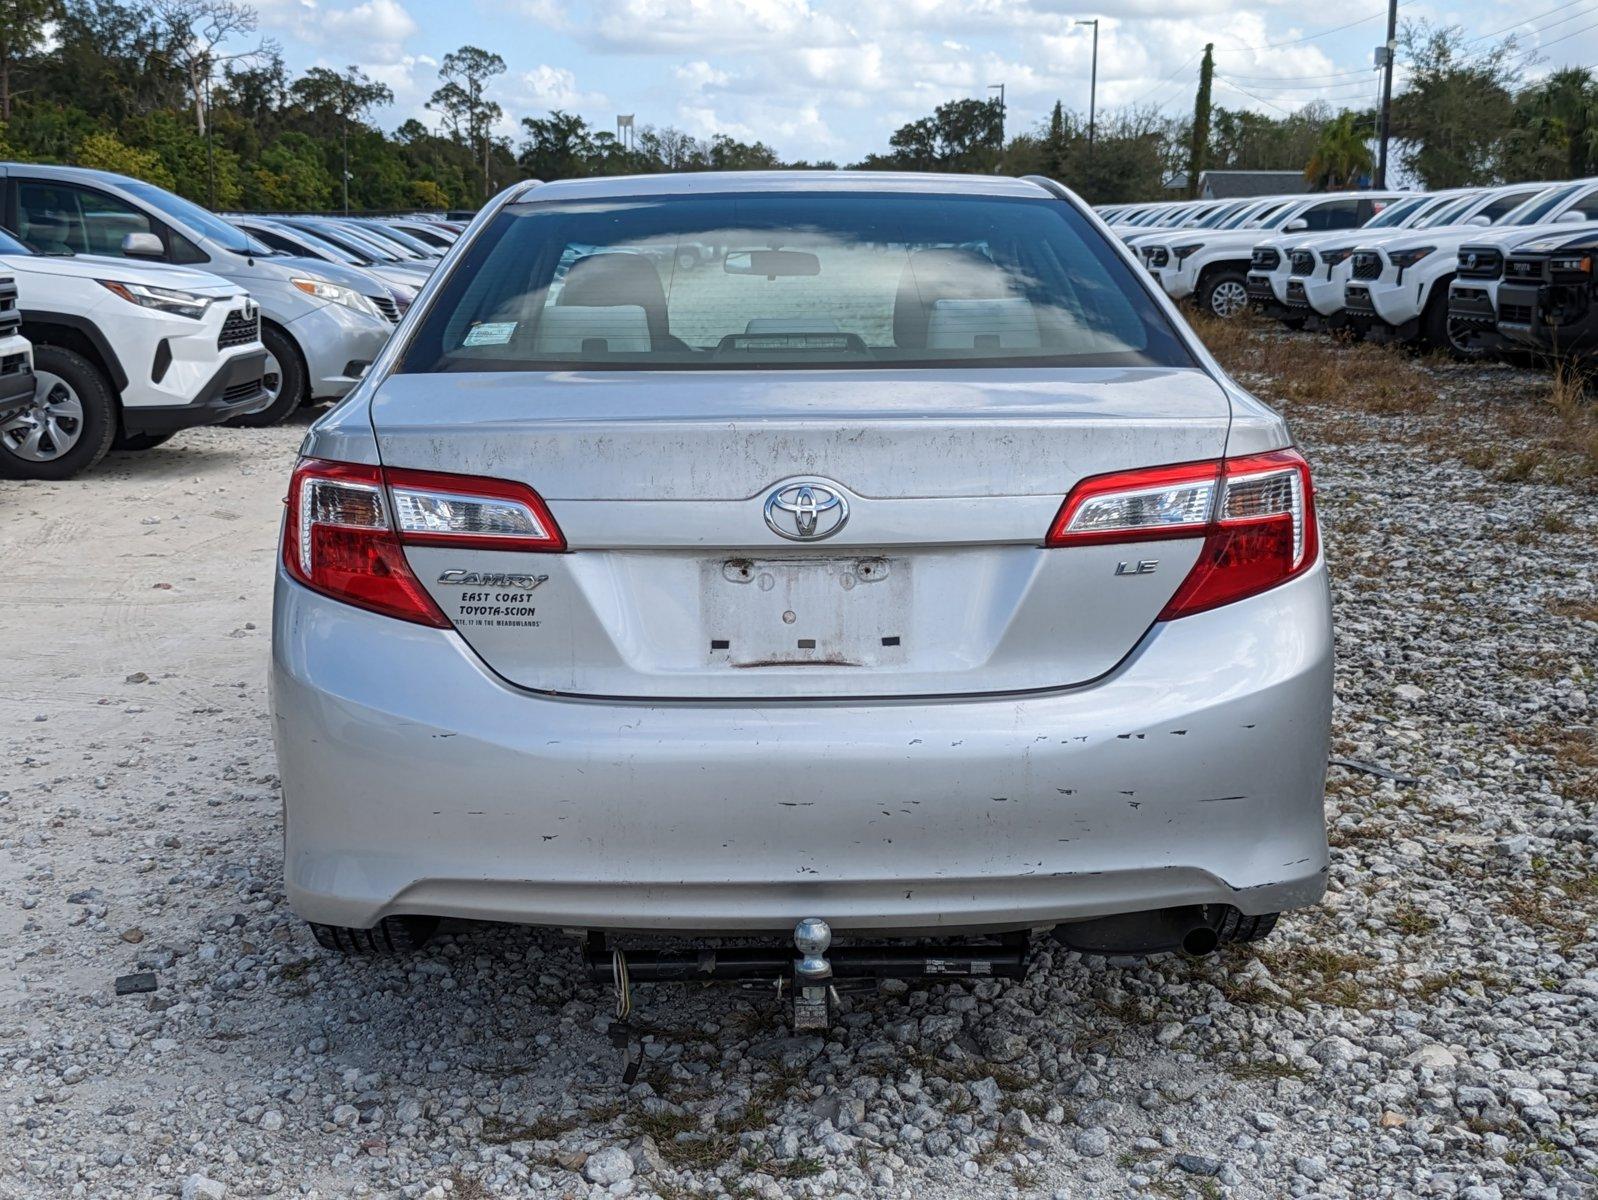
[1431, 1030]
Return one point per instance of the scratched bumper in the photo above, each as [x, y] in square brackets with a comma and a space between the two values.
[417, 781]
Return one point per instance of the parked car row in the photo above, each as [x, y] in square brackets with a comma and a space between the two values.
[132, 313]
[1471, 271]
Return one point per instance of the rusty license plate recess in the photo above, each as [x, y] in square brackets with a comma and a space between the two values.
[816, 611]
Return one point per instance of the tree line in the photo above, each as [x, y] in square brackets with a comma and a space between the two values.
[186, 94]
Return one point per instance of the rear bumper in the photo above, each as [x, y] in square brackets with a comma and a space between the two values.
[234, 390]
[416, 781]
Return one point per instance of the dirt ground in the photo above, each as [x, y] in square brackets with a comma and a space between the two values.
[1426, 1032]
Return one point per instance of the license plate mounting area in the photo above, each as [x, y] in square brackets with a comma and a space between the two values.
[816, 611]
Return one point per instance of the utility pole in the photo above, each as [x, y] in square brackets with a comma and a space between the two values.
[345, 172]
[1093, 85]
[210, 153]
[1384, 60]
[999, 87]
[1198, 148]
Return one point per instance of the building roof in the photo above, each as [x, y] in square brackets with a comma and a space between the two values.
[1231, 185]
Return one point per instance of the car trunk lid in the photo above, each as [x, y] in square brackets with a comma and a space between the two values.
[684, 579]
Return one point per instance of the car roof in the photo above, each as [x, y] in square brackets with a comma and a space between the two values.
[720, 182]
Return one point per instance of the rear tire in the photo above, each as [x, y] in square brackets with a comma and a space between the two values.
[391, 935]
[1224, 294]
[71, 425]
[1234, 926]
[282, 364]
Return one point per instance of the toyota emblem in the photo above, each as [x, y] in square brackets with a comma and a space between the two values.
[806, 510]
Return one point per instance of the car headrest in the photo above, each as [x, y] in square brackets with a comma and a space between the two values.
[933, 275]
[619, 279]
[584, 330]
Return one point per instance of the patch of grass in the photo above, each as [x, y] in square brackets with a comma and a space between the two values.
[1521, 467]
[1584, 609]
[467, 1187]
[499, 1132]
[1264, 1068]
[1411, 922]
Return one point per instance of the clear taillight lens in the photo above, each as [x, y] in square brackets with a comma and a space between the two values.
[1256, 515]
[1128, 506]
[348, 524]
[434, 509]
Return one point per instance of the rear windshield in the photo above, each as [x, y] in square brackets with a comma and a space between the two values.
[791, 280]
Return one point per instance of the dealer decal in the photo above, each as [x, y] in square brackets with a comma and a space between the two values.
[498, 601]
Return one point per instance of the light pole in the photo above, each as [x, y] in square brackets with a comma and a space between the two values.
[999, 87]
[1093, 84]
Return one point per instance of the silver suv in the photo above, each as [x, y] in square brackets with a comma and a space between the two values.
[319, 330]
[905, 566]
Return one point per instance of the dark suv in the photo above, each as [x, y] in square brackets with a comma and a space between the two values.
[1549, 297]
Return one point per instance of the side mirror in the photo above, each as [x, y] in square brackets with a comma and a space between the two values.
[1296, 225]
[142, 245]
[1571, 216]
[1480, 220]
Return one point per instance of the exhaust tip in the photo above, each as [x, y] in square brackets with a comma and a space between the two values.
[1199, 941]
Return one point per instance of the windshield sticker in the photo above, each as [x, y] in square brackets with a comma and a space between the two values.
[489, 333]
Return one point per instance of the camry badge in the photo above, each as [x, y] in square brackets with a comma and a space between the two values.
[492, 579]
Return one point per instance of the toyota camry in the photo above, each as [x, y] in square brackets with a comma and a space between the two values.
[881, 555]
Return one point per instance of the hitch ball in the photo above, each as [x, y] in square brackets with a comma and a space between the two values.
[811, 937]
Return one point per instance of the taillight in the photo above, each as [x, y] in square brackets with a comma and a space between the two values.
[348, 524]
[1256, 515]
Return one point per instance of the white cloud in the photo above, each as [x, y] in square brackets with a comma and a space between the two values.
[544, 88]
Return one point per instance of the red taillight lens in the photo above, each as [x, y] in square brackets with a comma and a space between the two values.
[1256, 515]
[348, 524]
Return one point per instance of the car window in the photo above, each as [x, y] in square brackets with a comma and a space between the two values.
[204, 222]
[59, 217]
[1503, 205]
[1586, 205]
[1334, 214]
[791, 280]
[275, 240]
[350, 242]
[1265, 216]
[1450, 213]
[1396, 213]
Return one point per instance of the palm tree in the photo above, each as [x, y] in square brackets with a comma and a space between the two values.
[1562, 114]
[1341, 157]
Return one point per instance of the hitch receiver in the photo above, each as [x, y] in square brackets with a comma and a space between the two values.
[812, 964]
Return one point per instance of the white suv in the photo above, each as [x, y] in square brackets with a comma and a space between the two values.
[125, 353]
[1212, 265]
[1298, 278]
[1398, 288]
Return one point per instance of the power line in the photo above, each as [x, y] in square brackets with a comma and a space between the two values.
[1184, 65]
[1223, 79]
[1536, 50]
[1312, 36]
[1294, 78]
[1528, 20]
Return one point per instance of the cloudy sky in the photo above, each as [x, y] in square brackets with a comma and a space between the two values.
[832, 78]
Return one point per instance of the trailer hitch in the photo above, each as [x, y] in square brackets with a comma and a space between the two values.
[812, 969]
